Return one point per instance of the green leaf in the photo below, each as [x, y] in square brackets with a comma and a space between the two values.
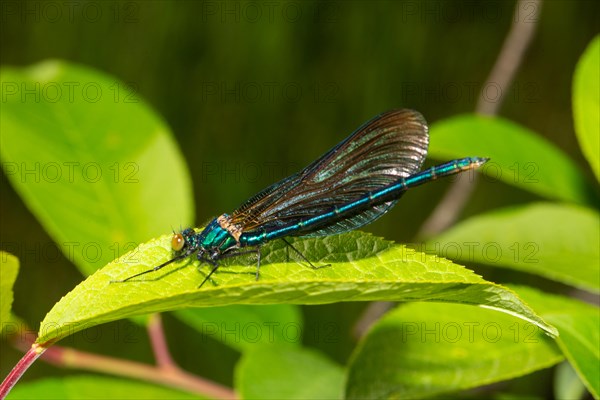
[275, 372]
[586, 104]
[579, 327]
[96, 166]
[242, 327]
[9, 269]
[93, 387]
[363, 268]
[422, 350]
[558, 242]
[519, 157]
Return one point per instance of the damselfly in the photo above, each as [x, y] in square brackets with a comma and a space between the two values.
[351, 185]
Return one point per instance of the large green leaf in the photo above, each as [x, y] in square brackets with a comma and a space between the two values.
[422, 350]
[363, 268]
[243, 326]
[519, 157]
[93, 387]
[9, 269]
[559, 242]
[579, 327]
[274, 372]
[94, 164]
[586, 104]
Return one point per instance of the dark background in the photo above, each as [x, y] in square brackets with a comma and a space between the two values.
[254, 91]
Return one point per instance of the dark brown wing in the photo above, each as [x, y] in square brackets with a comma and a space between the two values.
[388, 147]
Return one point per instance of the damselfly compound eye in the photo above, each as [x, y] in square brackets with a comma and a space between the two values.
[177, 242]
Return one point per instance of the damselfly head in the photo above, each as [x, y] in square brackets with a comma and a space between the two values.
[181, 240]
[177, 242]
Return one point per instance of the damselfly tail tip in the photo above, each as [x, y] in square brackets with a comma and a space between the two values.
[479, 161]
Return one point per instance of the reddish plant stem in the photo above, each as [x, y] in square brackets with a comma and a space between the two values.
[169, 375]
[159, 343]
[24, 363]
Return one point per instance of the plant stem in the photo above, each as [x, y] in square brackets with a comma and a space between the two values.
[159, 343]
[455, 199]
[168, 374]
[24, 363]
[511, 55]
[502, 74]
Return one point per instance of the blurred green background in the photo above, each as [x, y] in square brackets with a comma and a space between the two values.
[254, 91]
